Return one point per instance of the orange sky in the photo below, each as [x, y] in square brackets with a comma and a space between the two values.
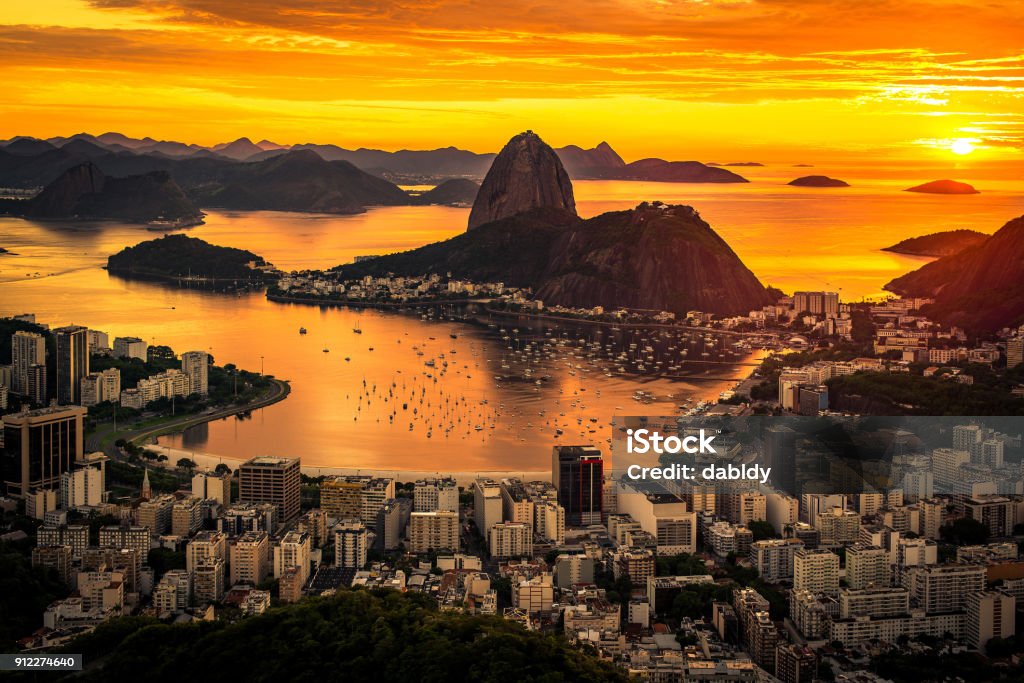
[715, 80]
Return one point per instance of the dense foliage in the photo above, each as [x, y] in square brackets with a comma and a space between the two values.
[25, 592]
[353, 636]
[182, 256]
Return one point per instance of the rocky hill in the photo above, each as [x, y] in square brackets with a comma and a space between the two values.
[977, 288]
[526, 175]
[451, 192]
[818, 181]
[175, 256]
[939, 243]
[943, 187]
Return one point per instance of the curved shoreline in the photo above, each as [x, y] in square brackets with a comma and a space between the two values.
[281, 299]
[280, 392]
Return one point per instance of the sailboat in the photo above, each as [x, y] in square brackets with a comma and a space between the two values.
[357, 329]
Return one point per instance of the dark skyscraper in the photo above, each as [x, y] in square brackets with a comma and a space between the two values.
[780, 455]
[577, 473]
[72, 362]
[39, 446]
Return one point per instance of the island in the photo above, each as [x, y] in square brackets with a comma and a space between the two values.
[451, 192]
[943, 187]
[818, 181]
[188, 259]
[939, 244]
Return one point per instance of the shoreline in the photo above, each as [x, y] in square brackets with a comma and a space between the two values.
[209, 461]
[385, 305]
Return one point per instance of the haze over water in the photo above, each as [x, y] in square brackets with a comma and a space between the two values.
[793, 238]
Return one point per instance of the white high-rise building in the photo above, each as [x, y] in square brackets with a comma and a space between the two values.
[438, 530]
[867, 566]
[293, 551]
[196, 364]
[98, 387]
[511, 539]
[990, 614]
[487, 505]
[350, 544]
[82, 487]
[435, 494]
[816, 571]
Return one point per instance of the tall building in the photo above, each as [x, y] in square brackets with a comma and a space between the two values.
[944, 588]
[816, 303]
[186, 516]
[98, 387]
[294, 550]
[206, 545]
[356, 497]
[795, 663]
[1014, 352]
[510, 539]
[350, 544]
[992, 511]
[209, 486]
[990, 614]
[40, 446]
[196, 365]
[577, 473]
[780, 455]
[72, 362]
[98, 341]
[83, 485]
[816, 571]
[249, 556]
[488, 509]
[38, 391]
[266, 479]
[438, 530]
[773, 558]
[27, 349]
[867, 566]
[435, 494]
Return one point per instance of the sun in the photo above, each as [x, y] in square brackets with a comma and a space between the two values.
[961, 146]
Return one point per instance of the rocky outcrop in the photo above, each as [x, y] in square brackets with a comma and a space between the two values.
[944, 187]
[978, 288]
[818, 181]
[526, 175]
[654, 256]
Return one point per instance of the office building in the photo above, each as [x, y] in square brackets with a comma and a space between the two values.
[196, 366]
[39, 446]
[72, 362]
[267, 479]
[438, 530]
[816, 303]
[350, 544]
[663, 516]
[577, 473]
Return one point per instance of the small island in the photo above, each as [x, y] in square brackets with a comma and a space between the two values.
[451, 192]
[737, 163]
[944, 187]
[818, 181]
[188, 259]
[939, 243]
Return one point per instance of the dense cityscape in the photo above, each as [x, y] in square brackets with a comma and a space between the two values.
[738, 584]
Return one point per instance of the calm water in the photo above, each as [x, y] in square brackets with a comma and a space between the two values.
[789, 237]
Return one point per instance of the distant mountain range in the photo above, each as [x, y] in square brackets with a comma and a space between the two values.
[403, 166]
